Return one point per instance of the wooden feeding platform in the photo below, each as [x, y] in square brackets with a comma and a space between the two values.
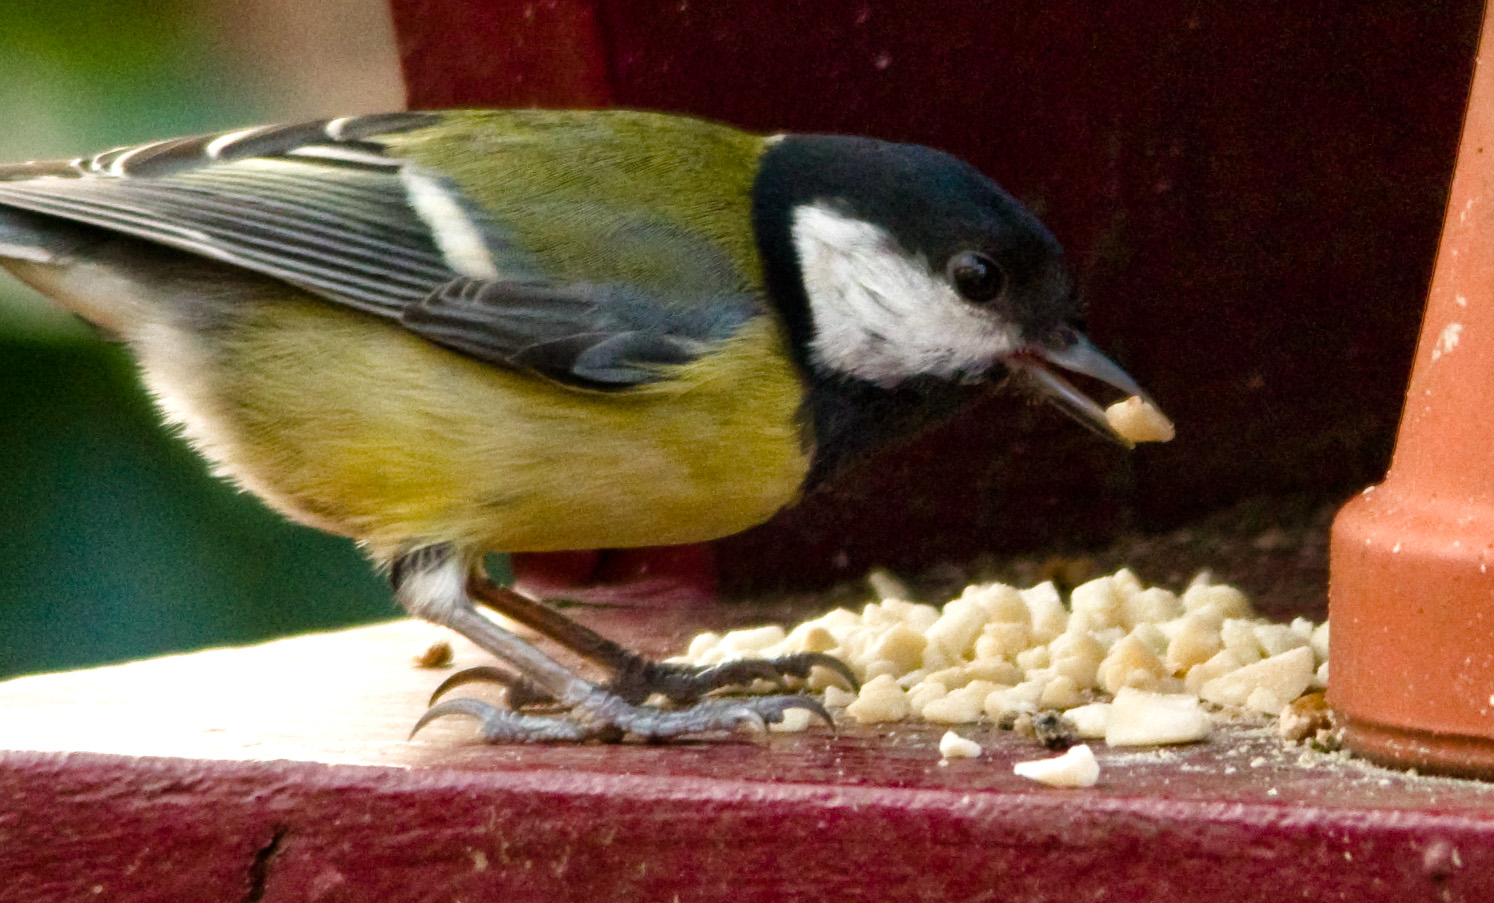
[282, 772]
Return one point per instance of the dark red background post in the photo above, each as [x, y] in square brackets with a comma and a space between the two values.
[1251, 194]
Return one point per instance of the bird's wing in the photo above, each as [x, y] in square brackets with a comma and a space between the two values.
[335, 208]
[319, 205]
[597, 336]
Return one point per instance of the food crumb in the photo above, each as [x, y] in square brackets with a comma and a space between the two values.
[881, 699]
[953, 746]
[1090, 721]
[1140, 718]
[1054, 731]
[1138, 421]
[793, 721]
[1308, 718]
[838, 697]
[1263, 685]
[1075, 768]
[437, 655]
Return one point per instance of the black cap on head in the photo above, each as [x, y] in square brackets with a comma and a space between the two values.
[908, 281]
[933, 205]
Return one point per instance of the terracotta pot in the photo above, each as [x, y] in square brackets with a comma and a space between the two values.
[1411, 591]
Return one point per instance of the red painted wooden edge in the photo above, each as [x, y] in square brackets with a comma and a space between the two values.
[87, 826]
[281, 772]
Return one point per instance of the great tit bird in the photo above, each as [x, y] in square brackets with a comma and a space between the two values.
[447, 333]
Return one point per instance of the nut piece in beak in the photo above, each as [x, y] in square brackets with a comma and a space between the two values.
[1140, 419]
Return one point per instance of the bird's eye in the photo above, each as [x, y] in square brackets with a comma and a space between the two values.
[976, 277]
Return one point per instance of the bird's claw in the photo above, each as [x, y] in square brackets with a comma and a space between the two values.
[686, 683]
[519, 691]
[799, 664]
[504, 726]
[773, 713]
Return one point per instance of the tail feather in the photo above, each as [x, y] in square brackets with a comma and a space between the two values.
[30, 238]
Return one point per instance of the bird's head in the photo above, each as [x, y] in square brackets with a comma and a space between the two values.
[895, 263]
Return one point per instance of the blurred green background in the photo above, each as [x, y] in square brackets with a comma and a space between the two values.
[114, 541]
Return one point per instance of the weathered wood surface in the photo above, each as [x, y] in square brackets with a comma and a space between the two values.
[282, 772]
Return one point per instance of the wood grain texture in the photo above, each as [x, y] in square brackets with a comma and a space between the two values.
[281, 773]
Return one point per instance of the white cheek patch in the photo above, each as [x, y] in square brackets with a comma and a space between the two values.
[881, 315]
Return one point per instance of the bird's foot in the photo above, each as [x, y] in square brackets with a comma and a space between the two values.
[604, 715]
[639, 678]
[636, 678]
[441, 585]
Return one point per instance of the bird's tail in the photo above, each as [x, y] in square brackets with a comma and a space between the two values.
[47, 253]
[27, 237]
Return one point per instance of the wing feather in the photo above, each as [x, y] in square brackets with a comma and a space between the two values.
[325, 206]
[331, 215]
[596, 336]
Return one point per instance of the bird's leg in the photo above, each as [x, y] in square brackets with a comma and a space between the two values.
[635, 677]
[431, 583]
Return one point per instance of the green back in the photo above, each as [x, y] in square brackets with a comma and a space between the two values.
[660, 202]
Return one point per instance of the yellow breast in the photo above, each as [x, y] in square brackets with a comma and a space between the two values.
[352, 424]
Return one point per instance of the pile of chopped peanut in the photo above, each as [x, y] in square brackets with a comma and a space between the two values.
[1128, 663]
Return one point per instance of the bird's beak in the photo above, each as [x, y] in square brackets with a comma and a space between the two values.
[1037, 366]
